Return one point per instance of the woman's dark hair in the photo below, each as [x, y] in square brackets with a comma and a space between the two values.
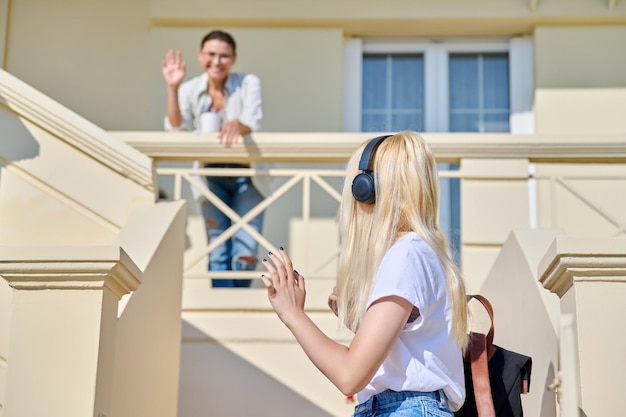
[221, 36]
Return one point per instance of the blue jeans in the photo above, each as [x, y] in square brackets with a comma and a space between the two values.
[405, 404]
[239, 252]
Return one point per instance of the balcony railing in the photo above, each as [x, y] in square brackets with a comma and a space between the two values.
[532, 161]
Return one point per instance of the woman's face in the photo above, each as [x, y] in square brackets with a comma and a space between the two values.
[216, 58]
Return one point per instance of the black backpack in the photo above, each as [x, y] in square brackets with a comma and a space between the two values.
[494, 377]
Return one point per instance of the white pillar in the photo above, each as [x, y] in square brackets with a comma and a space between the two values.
[63, 325]
[589, 276]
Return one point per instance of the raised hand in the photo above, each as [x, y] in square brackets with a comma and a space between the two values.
[173, 68]
[286, 290]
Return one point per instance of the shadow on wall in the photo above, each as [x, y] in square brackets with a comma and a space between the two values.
[216, 382]
[16, 141]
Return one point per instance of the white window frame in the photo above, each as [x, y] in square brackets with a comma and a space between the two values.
[436, 53]
[436, 63]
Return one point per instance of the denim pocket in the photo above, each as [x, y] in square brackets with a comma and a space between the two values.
[433, 409]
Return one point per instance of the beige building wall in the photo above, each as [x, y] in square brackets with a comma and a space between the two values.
[494, 198]
[392, 18]
[91, 56]
[567, 193]
[580, 79]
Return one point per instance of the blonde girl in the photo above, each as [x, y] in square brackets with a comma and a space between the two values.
[397, 288]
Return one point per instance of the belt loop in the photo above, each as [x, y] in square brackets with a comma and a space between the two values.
[374, 401]
[443, 401]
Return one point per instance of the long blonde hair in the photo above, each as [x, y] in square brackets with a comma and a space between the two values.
[407, 200]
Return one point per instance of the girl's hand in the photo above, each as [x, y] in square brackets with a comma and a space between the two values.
[285, 290]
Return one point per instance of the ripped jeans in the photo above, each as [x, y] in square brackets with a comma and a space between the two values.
[239, 252]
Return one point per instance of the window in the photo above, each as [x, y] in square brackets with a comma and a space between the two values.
[434, 87]
[437, 87]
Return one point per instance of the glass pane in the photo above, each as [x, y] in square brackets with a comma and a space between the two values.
[496, 81]
[393, 92]
[465, 122]
[407, 82]
[496, 122]
[479, 92]
[464, 87]
[413, 121]
[375, 123]
[374, 89]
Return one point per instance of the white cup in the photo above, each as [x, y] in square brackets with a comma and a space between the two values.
[210, 122]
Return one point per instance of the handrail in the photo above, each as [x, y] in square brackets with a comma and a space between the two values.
[336, 147]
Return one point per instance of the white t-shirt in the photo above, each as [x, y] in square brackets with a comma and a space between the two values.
[426, 356]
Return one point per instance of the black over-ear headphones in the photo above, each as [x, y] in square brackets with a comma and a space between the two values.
[363, 184]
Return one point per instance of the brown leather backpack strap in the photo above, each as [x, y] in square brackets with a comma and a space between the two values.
[480, 375]
[489, 338]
